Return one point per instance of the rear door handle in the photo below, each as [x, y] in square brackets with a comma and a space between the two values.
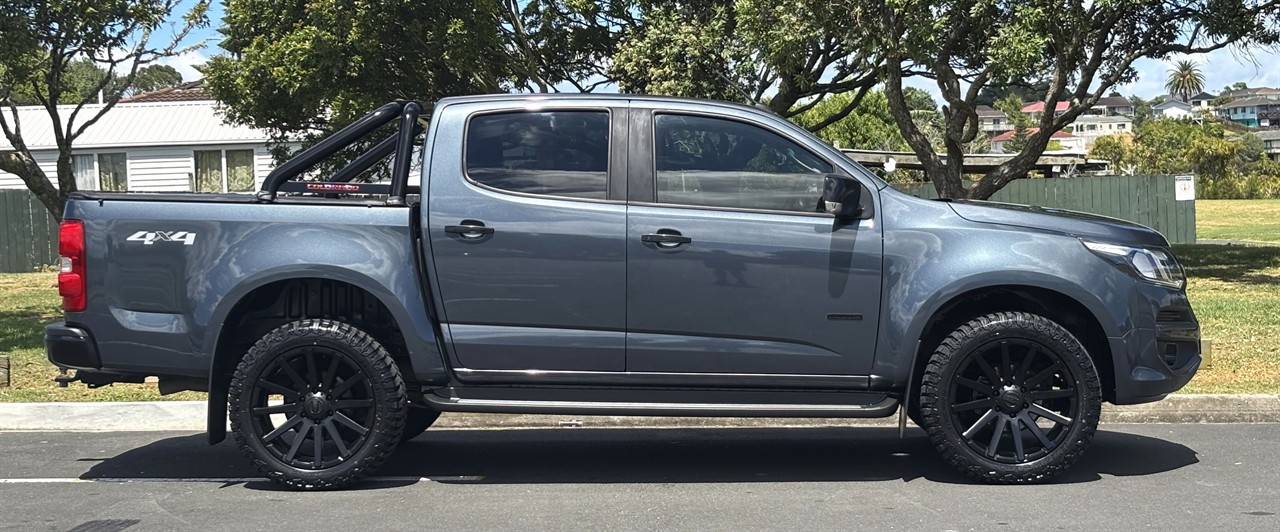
[666, 238]
[469, 229]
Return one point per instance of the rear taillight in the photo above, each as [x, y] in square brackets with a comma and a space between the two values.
[71, 266]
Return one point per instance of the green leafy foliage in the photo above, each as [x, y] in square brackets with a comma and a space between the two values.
[1076, 51]
[868, 127]
[786, 55]
[66, 54]
[1225, 166]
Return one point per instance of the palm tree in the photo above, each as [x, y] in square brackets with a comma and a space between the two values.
[1185, 80]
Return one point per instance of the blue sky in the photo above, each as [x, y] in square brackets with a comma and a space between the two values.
[1258, 68]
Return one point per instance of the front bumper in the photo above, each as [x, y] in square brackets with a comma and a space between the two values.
[71, 347]
[1151, 363]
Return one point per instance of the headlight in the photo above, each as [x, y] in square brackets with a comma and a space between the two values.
[1155, 265]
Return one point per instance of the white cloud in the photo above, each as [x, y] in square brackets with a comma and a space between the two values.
[186, 63]
[1257, 68]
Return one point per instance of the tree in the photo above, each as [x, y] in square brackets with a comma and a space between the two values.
[1142, 110]
[564, 41]
[81, 78]
[1083, 48]
[787, 55]
[309, 68]
[153, 78]
[1012, 106]
[868, 127]
[1185, 80]
[61, 54]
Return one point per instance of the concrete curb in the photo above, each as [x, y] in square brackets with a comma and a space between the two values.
[190, 416]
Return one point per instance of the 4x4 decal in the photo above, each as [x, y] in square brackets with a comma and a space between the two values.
[188, 238]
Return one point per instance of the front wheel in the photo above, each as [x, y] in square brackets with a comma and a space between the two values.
[1010, 397]
[317, 404]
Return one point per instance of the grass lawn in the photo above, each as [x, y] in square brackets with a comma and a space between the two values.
[27, 302]
[1244, 220]
[1235, 291]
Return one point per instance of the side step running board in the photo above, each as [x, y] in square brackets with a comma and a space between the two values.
[884, 408]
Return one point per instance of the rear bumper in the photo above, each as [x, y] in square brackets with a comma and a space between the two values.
[71, 347]
[1153, 363]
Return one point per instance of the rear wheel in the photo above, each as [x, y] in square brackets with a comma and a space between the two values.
[1010, 397]
[317, 404]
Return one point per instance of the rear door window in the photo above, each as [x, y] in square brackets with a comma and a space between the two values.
[554, 153]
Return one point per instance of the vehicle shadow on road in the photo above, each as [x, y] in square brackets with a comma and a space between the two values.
[538, 456]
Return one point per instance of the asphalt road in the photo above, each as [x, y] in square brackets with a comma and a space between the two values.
[1135, 477]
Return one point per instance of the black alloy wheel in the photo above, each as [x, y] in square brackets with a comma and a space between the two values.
[317, 404]
[1010, 397]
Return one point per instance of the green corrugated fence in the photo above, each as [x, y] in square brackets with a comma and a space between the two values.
[1148, 200]
[28, 234]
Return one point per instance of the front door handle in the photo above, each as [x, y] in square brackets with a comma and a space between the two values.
[666, 238]
[469, 229]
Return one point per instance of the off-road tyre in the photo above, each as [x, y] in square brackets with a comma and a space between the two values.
[354, 355]
[952, 398]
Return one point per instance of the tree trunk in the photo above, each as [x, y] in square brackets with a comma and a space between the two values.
[19, 163]
[945, 175]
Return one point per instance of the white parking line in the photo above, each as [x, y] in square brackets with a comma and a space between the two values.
[226, 480]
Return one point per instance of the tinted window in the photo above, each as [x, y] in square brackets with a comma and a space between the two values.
[559, 153]
[724, 163]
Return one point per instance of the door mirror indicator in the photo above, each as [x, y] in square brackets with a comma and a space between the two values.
[842, 196]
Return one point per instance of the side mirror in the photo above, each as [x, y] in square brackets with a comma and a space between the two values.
[842, 196]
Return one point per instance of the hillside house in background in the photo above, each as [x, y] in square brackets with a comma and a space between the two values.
[1239, 94]
[1271, 143]
[1258, 111]
[1112, 106]
[1203, 101]
[1092, 127]
[993, 121]
[1071, 144]
[163, 141]
[1173, 108]
[1036, 108]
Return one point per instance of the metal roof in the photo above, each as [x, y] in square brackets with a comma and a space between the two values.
[192, 91]
[1250, 102]
[1171, 103]
[136, 125]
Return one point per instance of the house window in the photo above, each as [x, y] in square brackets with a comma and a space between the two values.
[113, 173]
[223, 171]
[104, 171]
[1121, 127]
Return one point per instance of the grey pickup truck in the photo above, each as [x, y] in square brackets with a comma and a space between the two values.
[617, 255]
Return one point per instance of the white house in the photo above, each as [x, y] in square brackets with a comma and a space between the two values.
[1092, 127]
[1173, 108]
[149, 145]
